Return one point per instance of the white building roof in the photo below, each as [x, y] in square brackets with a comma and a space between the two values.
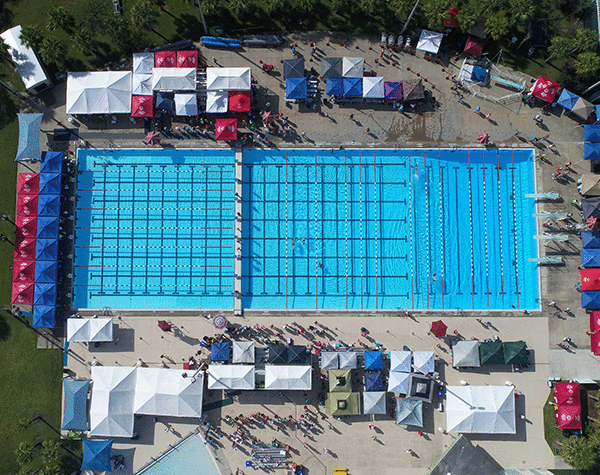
[24, 58]
[226, 376]
[89, 329]
[288, 377]
[99, 92]
[174, 79]
[228, 79]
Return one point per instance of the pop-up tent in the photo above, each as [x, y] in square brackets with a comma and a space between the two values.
[340, 380]
[47, 249]
[222, 376]
[288, 377]
[329, 360]
[142, 106]
[401, 361]
[480, 409]
[430, 41]
[219, 351]
[99, 92]
[27, 205]
[228, 79]
[569, 417]
[590, 257]
[50, 184]
[186, 104]
[490, 352]
[96, 455]
[591, 151]
[168, 392]
[29, 136]
[544, 89]
[373, 360]
[187, 59]
[165, 101]
[590, 279]
[583, 108]
[174, 79]
[465, 354]
[52, 162]
[25, 249]
[243, 352]
[515, 352]
[591, 207]
[49, 205]
[567, 99]
[143, 63]
[424, 361]
[28, 183]
[348, 360]
[22, 293]
[398, 382]
[296, 88]
[217, 102]
[353, 67]
[331, 68]
[165, 59]
[46, 272]
[298, 354]
[420, 387]
[372, 87]
[591, 133]
[473, 47]
[75, 404]
[590, 300]
[142, 84]
[567, 394]
[239, 101]
[293, 68]
[24, 271]
[595, 332]
[44, 316]
[26, 227]
[352, 87]
[590, 185]
[413, 89]
[343, 404]
[277, 354]
[226, 129]
[590, 239]
[44, 294]
[374, 402]
[24, 58]
[409, 412]
[89, 329]
[373, 381]
[393, 91]
[335, 87]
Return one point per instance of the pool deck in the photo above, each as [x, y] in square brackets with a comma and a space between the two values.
[452, 124]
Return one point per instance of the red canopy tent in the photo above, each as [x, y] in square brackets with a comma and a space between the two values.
[473, 48]
[165, 59]
[27, 205]
[590, 279]
[239, 101]
[24, 249]
[26, 226]
[567, 394]
[438, 328]
[226, 129]
[28, 183]
[451, 21]
[187, 59]
[545, 89]
[24, 271]
[569, 417]
[142, 106]
[22, 294]
[595, 331]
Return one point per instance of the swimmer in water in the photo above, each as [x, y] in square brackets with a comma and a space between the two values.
[303, 240]
[293, 242]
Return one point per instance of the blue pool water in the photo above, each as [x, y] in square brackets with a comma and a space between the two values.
[386, 229]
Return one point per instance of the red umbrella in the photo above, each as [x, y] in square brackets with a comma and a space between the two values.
[438, 328]
[226, 129]
[24, 271]
[592, 222]
[267, 117]
[164, 326]
[483, 138]
[153, 138]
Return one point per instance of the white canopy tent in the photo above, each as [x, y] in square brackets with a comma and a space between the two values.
[348, 360]
[217, 102]
[465, 353]
[226, 376]
[165, 392]
[424, 361]
[186, 104]
[142, 84]
[243, 352]
[228, 79]
[400, 361]
[353, 67]
[143, 63]
[374, 402]
[89, 329]
[330, 360]
[24, 58]
[481, 409]
[373, 87]
[288, 377]
[430, 41]
[99, 92]
[173, 79]
[111, 405]
[398, 382]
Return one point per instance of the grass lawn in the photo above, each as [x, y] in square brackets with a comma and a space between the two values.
[551, 432]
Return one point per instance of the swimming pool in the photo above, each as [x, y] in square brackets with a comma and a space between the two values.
[321, 229]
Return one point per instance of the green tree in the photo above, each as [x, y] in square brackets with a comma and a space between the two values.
[59, 17]
[580, 453]
[209, 7]
[159, 3]
[123, 37]
[24, 453]
[560, 48]
[435, 12]
[144, 15]
[305, 5]
[402, 8]
[586, 40]
[369, 6]
[50, 452]
[587, 63]
[84, 40]
[50, 470]
[467, 18]
[31, 35]
[275, 5]
[497, 26]
[94, 16]
[23, 424]
[53, 50]
[521, 11]
[240, 7]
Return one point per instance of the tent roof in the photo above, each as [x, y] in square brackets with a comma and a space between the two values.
[293, 68]
[374, 402]
[142, 106]
[393, 90]
[89, 329]
[567, 394]
[590, 300]
[99, 92]
[27, 205]
[331, 67]
[219, 351]
[24, 58]
[590, 184]
[46, 272]
[239, 101]
[165, 392]
[545, 89]
[45, 294]
[353, 67]
[413, 89]
[463, 458]
[343, 404]
[595, 332]
[22, 293]
[515, 352]
[75, 404]
[591, 151]
[340, 380]
[29, 136]
[591, 132]
[47, 249]
[222, 376]
[465, 353]
[28, 183]
[165, 101]
[51, 162]
[24, 271]
[373, 381]
[243, 352]
[329, 360]
[569, 417]
[165, 59]
[430, 41]
[348, 360]
[174, 79]
[288, 377]
[186, 104]
[398, 382]
[401, 361]
[335, 87]
[373, 360]
[567, 99]
[96, 455]
[142, 84]
[473, 47]
[420, 387]
[187, 59]
[424, 361]
[372, 87]
[591, 239]
[590, 206]
[298, 354]
[25, 248]
[590, 257]
[296, 88]
[228, 79]
[226, 129]
[143, 63]
[44, 316]
[490, 352]
[277, 354]
[111, 408]
[481, 409]
[26, 227]
[409, 412]
[352, 87]
[217, 102]
[583, 108]
[50, 184]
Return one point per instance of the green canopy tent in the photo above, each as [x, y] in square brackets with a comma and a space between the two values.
[515, 352]
[340, 380]
[490, 352]
[343, 404]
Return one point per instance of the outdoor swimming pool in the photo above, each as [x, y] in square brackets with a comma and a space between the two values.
[342, 229]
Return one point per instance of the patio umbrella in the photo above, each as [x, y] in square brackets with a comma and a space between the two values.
[153, 138]
[164, 326]
[483, 138]
[592, 222]
[219, 321]
[438, 328]
[267, 117]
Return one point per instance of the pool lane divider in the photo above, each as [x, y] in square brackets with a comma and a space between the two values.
[316, 242]
[286, 230]
[500, 228]
[471, 229]
[514, 197]
[442, 261]
[376, 229]
[346, 219]
[361, 226]
[427, 217]
[485, 231]
[411, 211]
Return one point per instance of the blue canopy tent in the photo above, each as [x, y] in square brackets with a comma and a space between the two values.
[46, 272]
[219, 351]
[49, 205]
[49, 184]
[75, 408]
[96, 455]
[479, 75]
[335, 87]
[51, 162]
[296, 88]
[591, 151]
[567, 99]
[590, 257]
[373, 381]
[46, 249]
[591, 300]
[165, 101]
[393, 90]
[29, 136]
[44, 294]
[598, 112]
[591, 133]
[590, 239]
[373, 360]
[352, 86]
[44, 316]
[47, 227]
